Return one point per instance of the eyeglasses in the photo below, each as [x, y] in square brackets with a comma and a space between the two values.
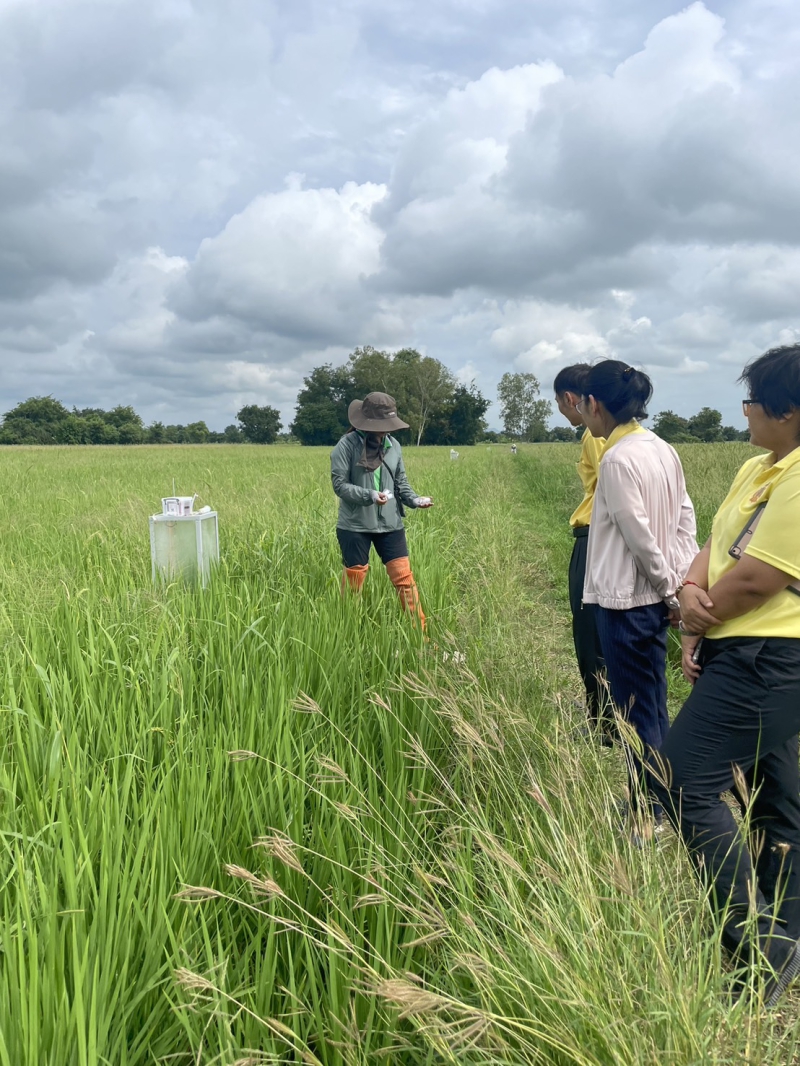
[746, 406]
[578, 405]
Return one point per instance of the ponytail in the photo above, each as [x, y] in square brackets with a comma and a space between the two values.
[623, 390]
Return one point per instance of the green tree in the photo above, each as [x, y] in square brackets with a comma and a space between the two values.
[232, 435]
[524, 414]
[459, 420]
[671, 427]
[732, 433]
[72, 430]
[260, 425]
[371, 370]
[423, 385]
[131, 432]
[706, 425]
[156, 433]
[196, 433]
[122, 416]
[565, 434]
[38, 420]
[321, 414]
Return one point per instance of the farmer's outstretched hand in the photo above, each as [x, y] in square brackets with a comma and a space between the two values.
[424, 501]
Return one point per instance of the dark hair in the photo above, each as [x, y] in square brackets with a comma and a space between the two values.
[774, 379]
[571, 379]
[623, 391]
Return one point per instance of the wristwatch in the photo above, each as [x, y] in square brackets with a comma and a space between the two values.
[673, 603]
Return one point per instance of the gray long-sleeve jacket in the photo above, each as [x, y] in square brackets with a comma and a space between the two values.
[353, 485]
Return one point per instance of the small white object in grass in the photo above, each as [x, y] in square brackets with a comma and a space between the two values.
[453, 454]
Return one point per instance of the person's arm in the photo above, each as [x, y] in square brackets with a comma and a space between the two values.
[746, 586]
[340, 474]
[404, 490]
[686, 538]
[695, 610]
[627, 511]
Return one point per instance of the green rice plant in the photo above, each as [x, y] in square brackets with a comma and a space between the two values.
[264, 823]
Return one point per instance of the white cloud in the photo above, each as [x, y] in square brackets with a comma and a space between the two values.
[292, 263]
[199, 202]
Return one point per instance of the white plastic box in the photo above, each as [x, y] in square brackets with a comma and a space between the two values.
[184, 546]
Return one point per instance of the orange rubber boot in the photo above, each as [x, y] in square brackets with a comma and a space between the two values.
[399, 571]
[353, 577]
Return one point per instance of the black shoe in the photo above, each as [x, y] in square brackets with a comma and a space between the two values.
[778, 985]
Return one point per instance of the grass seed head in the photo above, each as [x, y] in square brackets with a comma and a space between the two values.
[193, 982]
[280, 847]
[262, 886]
[196, 893]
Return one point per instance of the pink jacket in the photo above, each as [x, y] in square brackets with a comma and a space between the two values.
[642, 537]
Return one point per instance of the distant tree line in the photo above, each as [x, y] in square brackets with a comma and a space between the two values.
[44, 420]
[438, 408]
[705, 426]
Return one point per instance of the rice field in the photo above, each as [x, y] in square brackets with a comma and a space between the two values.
[260, 823]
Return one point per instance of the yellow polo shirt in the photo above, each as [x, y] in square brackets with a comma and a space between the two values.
[588, 465]
[776, 541]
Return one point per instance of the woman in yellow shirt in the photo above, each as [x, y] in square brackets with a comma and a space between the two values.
[740, 618]
[569, 387]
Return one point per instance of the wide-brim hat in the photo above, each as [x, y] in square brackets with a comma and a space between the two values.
[376, 413]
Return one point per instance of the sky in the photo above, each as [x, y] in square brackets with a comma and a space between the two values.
[201, 200]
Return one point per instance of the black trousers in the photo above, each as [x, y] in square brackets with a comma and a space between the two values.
[355, 546]
[744, 711]
[584, 634]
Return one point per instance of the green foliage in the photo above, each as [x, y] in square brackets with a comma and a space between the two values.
[705, 426]
[260, 425]
[565, 434]
[38, 420]
[321, 415]
[459, 420]
[437, 409]
[264, 823]
[524, 414]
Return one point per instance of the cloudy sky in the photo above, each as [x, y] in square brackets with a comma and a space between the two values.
[200, 200]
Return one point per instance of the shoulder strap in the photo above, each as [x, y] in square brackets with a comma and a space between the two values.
[400, 505]
[736, 549]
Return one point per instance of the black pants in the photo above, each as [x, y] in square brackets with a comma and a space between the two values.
[584, 635]
[355, 546]
[634, 645]
[744, 710]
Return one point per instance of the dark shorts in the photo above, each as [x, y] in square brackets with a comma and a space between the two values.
[355, 546]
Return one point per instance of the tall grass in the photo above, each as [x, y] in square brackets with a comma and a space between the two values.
[261, 823]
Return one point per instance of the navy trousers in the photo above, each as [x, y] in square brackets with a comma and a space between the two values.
[634, 646]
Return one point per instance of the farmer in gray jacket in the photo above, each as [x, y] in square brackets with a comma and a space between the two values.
[370, 480]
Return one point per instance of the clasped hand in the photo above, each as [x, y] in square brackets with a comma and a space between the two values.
[696, 608]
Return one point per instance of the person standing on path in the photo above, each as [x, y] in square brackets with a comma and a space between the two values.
[741, 598]
[642, 540]
[569, 388]
[370, 480]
